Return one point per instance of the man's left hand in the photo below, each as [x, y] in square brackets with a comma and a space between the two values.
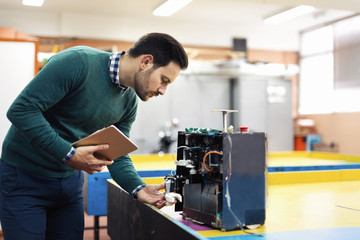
[150, 194]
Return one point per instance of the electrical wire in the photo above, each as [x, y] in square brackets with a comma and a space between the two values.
[172, 155]
[184, 146]
[204, 164]
[227, 195]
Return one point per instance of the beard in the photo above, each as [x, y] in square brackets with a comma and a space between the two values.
[142, 83]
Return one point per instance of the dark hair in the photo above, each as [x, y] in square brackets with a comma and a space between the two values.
[163, 47]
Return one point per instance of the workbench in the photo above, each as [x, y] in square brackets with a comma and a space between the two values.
[311, 195]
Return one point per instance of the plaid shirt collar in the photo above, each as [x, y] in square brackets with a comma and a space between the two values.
[114, 62]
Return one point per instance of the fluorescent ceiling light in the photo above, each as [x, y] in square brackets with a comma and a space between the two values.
[35, 3]
[289, 14]
[169, 7]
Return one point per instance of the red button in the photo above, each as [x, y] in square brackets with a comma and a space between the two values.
[244, 129]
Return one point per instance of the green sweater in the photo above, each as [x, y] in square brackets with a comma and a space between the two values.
[70, 98]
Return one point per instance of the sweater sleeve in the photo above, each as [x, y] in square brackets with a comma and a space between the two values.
[122, 170]
[61, 74]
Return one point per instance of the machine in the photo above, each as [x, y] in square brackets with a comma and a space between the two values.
[220, 178]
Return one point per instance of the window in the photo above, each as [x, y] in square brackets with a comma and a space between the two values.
[316, 71]
[330, 68]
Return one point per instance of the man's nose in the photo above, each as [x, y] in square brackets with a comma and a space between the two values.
[162, 89]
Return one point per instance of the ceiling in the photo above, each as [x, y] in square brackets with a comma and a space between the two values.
[203, 10]
[199, 16]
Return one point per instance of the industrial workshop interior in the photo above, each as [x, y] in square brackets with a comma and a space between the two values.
[258, 138]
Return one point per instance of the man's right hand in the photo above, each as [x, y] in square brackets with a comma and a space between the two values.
[85, 159]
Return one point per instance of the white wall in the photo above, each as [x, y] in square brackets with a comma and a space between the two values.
[190, 99]
[264, 104]
[17, 68]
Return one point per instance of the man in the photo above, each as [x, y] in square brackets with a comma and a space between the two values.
[79, 91]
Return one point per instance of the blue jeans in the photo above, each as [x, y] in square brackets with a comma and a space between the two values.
[33, 207]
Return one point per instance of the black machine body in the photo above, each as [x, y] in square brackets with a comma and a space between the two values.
[221, 178]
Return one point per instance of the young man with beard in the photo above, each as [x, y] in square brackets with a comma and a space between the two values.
[79, 91]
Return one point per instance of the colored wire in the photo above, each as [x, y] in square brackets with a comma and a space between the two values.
[172, 155]
[186, 147]
[204, 164]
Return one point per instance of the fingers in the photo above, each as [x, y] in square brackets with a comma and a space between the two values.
[101, 168]
[106, 162]
[154, 198]
[96, 148]
[161, 186]
[92, 152]
[160, 204]
[98, 165]
[94, 169]
[99, 147]
[99, 156]
[98, 168]
[86, 159]
[91, 172]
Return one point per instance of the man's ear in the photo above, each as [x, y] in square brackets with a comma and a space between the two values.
[147, 62]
